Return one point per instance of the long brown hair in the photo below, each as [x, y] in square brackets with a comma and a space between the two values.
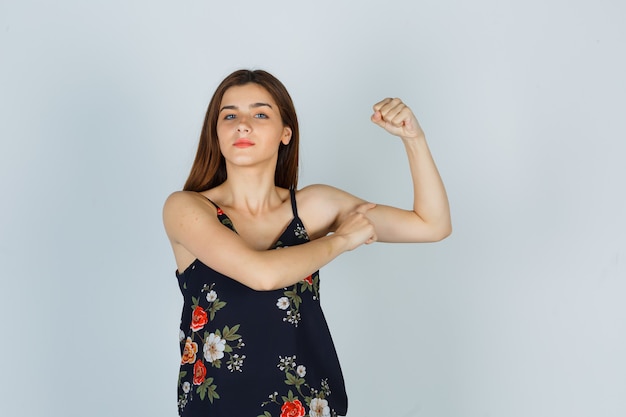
[209, 167]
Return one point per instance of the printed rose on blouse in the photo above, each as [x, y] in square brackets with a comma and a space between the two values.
[292, 409]
[198, 319]
[189, 351]
[199, 373]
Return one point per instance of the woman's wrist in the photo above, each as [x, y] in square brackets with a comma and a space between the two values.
[416, 142]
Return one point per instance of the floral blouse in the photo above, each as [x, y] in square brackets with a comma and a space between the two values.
[250, 353]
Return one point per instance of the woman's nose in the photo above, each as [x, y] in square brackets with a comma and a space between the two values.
[243, 125]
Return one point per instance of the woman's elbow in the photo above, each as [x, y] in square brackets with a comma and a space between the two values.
[265, 282]
[441, 232]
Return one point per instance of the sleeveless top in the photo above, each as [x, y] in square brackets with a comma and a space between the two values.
[248, 353]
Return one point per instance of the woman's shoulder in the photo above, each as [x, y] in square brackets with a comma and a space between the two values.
[181, 203]
[186, 197]
[317, 191]
[182, 198]
[323, 194]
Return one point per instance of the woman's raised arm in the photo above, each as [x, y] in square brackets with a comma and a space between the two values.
[429, 219]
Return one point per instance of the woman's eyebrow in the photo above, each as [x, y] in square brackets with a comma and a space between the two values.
[260, 105]
[253, 105]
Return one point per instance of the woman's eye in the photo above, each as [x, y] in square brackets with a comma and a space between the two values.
[229, 117]
[261, 116]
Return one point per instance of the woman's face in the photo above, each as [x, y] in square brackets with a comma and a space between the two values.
[249, 126]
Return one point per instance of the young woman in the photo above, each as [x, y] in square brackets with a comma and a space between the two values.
[254, 341]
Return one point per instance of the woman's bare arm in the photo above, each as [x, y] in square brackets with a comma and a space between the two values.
[427, 221]
[193, 229]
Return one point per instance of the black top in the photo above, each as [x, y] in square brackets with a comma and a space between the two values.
[249, 353]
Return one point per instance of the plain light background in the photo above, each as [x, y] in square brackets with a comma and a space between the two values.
[519, 313]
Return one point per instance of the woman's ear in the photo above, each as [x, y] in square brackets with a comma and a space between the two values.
[286, 135]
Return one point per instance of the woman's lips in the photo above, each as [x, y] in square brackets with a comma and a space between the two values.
[243, 143]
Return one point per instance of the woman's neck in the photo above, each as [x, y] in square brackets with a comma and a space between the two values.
[249, 191]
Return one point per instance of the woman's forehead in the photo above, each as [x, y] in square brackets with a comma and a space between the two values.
[246, 94]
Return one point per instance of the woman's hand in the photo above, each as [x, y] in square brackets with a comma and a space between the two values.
[357, 228]
[396, 118]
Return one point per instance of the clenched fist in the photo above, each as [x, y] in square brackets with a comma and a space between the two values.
[397, 118]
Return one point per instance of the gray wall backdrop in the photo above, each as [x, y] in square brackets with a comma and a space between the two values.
[519, 313]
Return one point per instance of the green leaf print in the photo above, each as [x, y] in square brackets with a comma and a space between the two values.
[215, 306]
[289, 397]
[207, 390]
[181, 375]
[293, 380]
[230, 334]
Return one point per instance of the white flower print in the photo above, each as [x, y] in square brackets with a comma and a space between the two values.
[186, 387]
[319, 408]
[301, 233]
[292, 318]
[211, 296]
[301, 371]
[181, 335]
[288, 362]
[214, 347]
[283, 303]
[325, 386]
[236, 363]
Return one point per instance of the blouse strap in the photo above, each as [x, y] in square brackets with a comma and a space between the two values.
[211, 201]
[294, 208]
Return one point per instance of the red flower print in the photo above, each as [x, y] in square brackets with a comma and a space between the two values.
[220, 212]
[199, 373]
[292, 409]
[198, 319]
[309, 279]
[189, 352]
